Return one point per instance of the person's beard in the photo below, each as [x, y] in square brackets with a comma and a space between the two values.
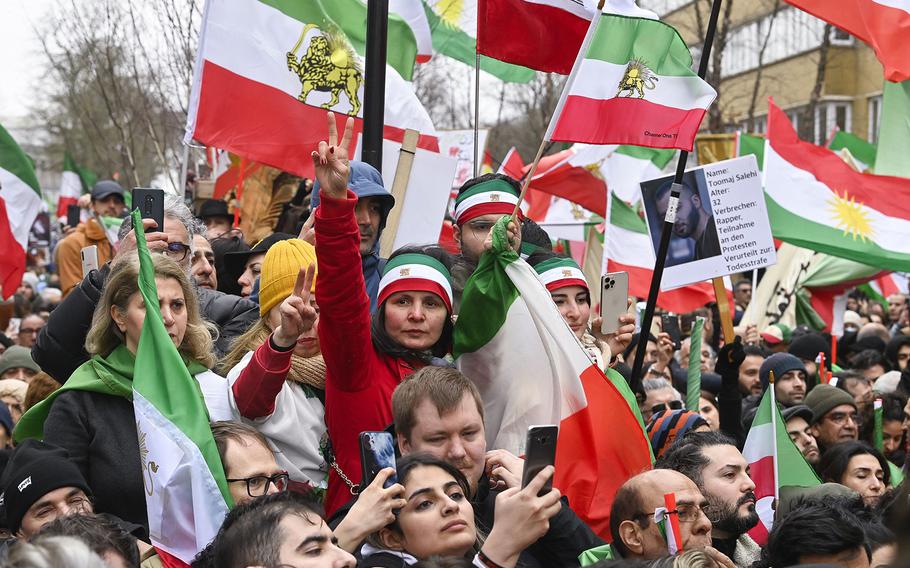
[727, 518]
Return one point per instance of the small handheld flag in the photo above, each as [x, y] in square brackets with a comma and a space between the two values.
[667, 519]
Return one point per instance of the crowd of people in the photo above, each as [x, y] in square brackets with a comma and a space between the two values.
[304, 339]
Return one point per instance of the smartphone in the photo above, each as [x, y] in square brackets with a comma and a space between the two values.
[686, 321]
[72, 215]
[377, 452]
[150, 203]
[540, 451]
[614, 300]
[89, 259]
[670, 325]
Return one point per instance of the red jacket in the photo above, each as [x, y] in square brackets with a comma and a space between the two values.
[359, 379]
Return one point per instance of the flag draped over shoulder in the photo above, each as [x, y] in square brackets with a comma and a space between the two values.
[817, 201]
[267, 71]
[20, 203]
[774, 462]
[511, 340]
[186, 493]
[632, 83]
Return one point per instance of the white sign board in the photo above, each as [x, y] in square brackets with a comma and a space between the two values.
[721, 224]
[429, 187]
[459, 144]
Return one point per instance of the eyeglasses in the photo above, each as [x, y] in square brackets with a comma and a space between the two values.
[258, 485]
[672, 405]
[840, 418]
[177, 251]
[685, 514]
[29, 330]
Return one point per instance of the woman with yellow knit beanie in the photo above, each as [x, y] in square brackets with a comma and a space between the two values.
[276, 370]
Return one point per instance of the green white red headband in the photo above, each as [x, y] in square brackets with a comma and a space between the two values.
[416, 272]
[557, 273]
[491, 197]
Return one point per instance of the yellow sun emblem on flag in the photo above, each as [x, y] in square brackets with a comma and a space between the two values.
[851, 216]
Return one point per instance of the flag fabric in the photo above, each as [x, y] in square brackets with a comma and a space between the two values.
[412, 12]
[774, 462]
[693, 378]
[817, 201]
[883, 24]
[70, 186]
[632, 83]
[667, 520]
[628, 249]
[511, 340]
[20, 203]
[453, 25]
[266, 72]
[894, 132]
[748, 144]
[186, 493]
[862, 152]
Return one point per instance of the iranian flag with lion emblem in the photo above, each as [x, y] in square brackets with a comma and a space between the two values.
[267, 71]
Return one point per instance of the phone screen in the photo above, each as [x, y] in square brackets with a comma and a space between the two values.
[377, 452]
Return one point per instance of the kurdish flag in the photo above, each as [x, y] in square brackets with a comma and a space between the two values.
[511, 340]
[70, 185]
[862, 152]
[632, 83]
[186, 494]
[817, 201]
[774, 462]
[629, 249]
[267, 71]
[20, 203]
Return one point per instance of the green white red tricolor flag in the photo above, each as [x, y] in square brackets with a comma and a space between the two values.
[817, 201]
[774, 462]
[186, 493]
[511, 340]
[70, 186]
[267, 70]
[20, 203]
[883, 24]
[632, 83]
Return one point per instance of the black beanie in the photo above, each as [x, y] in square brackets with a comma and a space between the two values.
[808, 346]
[34, 470]
[780, 363]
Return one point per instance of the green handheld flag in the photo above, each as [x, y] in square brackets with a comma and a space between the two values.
[877, 437]
[693, 382]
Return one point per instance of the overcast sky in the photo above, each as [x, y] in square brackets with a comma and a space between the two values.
[21, 61]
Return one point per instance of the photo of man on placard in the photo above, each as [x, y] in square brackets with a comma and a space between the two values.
[694, 233]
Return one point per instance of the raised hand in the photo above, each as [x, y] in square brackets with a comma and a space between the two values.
[297, 315]
[375, 508]
[307, 232]
[331, 159]
[618, 340]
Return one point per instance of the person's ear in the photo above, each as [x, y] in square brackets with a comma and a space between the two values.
[391, 539]
[696, 199]
[456, 233]
[119, 319]
[630, 533]
[404, 446]
[815, 431]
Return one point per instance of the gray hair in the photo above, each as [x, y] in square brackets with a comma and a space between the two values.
[176, 209]
[52, 552]
[658, 384]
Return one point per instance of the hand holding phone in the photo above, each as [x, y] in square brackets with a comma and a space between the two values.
[377, 452]
[614, 300]
[73, 214]
[150, 202]
[540, 451]
[670, 326]
[89, 259]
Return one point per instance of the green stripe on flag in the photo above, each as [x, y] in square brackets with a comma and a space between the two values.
[657, 156]
[693, 381]
[350, 16]
[754, 145]
[14, 160]
[859, 148]
[623, 216]
[894, 135]
[619, 39]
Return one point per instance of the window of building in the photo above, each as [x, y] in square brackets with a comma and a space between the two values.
[875, 118]
[840, 37]
[829, 115]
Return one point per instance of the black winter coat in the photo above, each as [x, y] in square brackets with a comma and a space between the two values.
[60, 347]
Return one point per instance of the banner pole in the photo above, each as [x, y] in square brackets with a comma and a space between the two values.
[374, 81]
[476, 112]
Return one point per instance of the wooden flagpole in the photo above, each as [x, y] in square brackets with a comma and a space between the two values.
[399, 189]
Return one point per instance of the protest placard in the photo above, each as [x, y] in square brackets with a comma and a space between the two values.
[721, 225]
[459, 144]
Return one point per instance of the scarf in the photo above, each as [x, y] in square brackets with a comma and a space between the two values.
[111, 375]
[309, 371]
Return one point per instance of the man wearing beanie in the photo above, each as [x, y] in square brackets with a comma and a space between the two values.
[834, 417]
[789, 381]
[17, 363]
[798, 418]
[39, 484]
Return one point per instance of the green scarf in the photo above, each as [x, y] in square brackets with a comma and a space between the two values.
[111, 375]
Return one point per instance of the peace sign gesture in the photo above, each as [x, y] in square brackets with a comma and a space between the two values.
[331, 159]
[297, 315]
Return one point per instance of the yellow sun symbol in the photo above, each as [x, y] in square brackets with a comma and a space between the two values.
[851, 216]
[450, 11]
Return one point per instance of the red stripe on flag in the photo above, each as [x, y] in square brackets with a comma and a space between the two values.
[538, 36]
[679, 300]
[887, 285]
[759, 533]
[626, 120]
[762, 474]
[63, 203]
[576, 184]
[877, 192]
[12, 261]
[264, 124]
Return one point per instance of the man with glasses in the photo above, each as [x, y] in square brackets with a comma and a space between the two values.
[659, 395]
[635, 533]
[28, 330]
[834, 415]
[249, 464]
[721, 473]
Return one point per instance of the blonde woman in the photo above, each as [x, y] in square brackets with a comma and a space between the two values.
[91, 416]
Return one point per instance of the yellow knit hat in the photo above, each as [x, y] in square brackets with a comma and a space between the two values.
[282, 263]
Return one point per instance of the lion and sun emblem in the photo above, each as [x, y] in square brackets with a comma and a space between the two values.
[637, 78]
[328, 65]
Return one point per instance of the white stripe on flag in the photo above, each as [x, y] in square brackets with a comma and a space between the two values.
[22, 205]
[759, 443]
[629, 248]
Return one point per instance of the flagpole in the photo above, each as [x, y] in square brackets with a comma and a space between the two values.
[669, 218]
[774, 414]
[374, 81]
[476, 111]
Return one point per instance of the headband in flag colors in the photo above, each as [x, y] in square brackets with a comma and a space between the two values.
[556, 273]
[416, 272]
[491, 197]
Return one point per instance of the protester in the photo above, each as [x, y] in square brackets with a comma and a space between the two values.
[16, 363]
[214, 214]
[91, 416]
[107, 201]
[742, 294]
[797, 419]
[667, 426]
[892, 428]
[203, 264]
[807, 348]
[749, 380]
[102, 535]
[438, 519]
[53, 552]
[249, 463]
[859, 387]
[12, 394]
[633, 529]
[721, 473]
[659, 395]
[898, 352]
[371, 212]
[29, 329]
[60, 347]
[276, 370]
[39, 388]
[834, 416]
[227, 243]
[244, 267]
[856, 465]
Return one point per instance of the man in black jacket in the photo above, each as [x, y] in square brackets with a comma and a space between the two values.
[60, 347]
